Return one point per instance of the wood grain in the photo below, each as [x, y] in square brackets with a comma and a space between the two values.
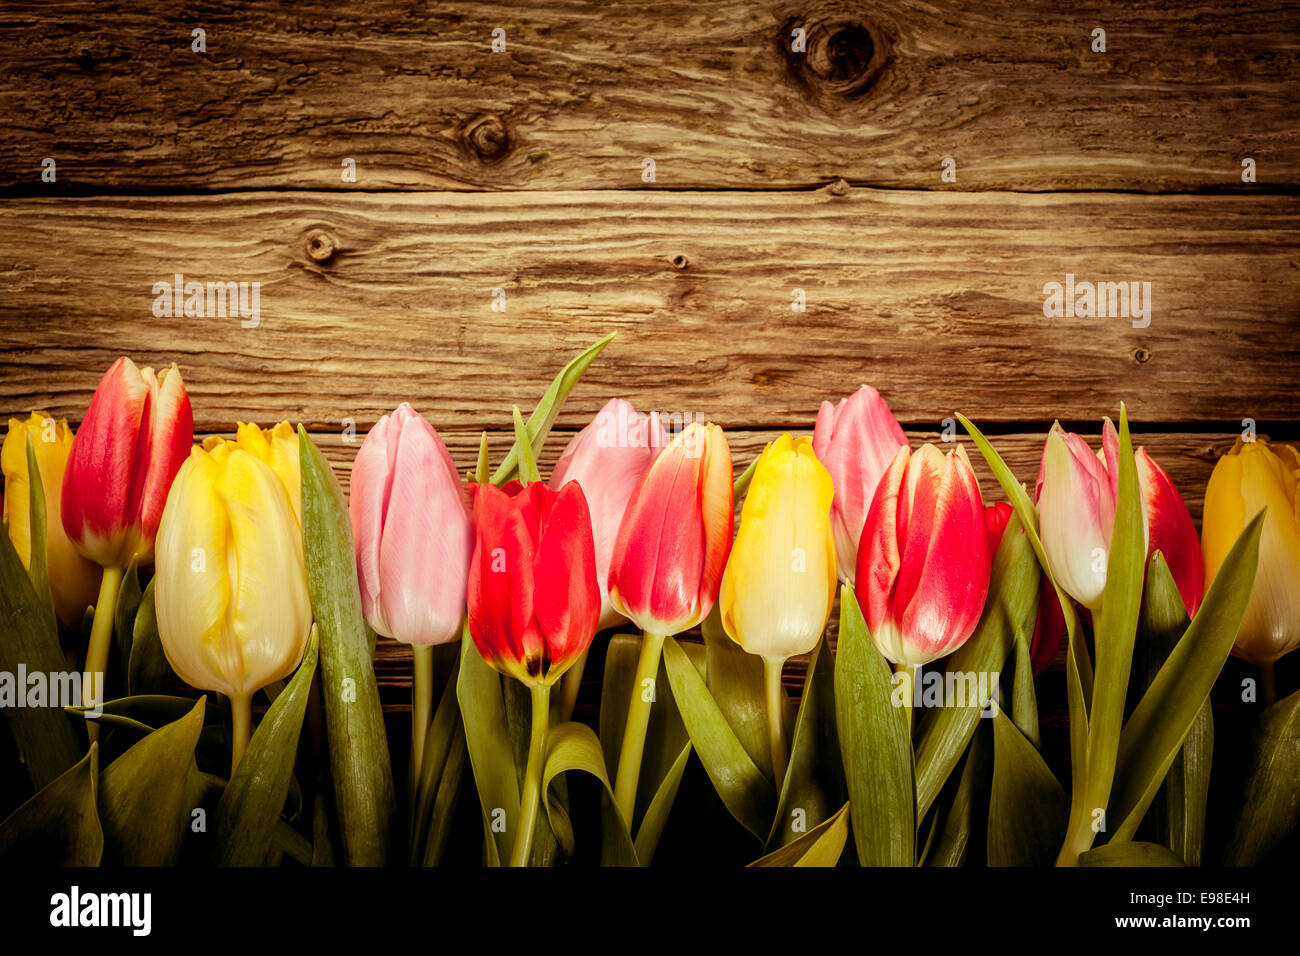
[937, 299]
[585, 91]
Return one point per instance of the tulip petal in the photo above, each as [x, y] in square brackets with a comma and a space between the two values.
[567, 600]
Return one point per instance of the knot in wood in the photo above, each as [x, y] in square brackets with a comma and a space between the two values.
[320, 245]
[488, 138]
[842, 56]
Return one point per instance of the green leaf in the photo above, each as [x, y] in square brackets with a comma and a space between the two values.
[444, 804]
[656, 814]
[144, 795]
[37, 569]
[574, 746]
[481, 470]
[747, 794]
[437, 747]
[148, 710]
[253, 803]
[527, 462]
[1177, 816]
[1024, 702]
[1270, 805]
[1116, 628]
[1130, 854]
[814, 782]
[876, 745]
[48, 738]
[354, 720]
[1162, 719]
[543, 416]
[487, 735]
[322, 842]
[741, 484]
[59, 826]
[735, 679]
[124, 614]
[823, 845]
[968, 814]
[1028, 809]
[147, 670]
[1011, 609]
[546, 849]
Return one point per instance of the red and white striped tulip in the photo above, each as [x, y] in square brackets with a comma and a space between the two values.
[412, 531]
[608, 459]
[923, 562]
[137, 433]
[855, 439]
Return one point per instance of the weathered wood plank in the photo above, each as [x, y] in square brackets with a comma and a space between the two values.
[937, 299]
[585, 91]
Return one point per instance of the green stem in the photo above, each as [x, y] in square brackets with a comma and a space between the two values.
[1267, 685]
[421, 714]
[570, 683]
[101, 636]
[530, 798]
[241, 715]
[638, 719]
[775, 722]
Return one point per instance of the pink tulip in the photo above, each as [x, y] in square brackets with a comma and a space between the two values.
[1077, 491]
[412, 530]
[673, 542]
[855, 440]
[923, 562]
[608, 459]
[137, 433]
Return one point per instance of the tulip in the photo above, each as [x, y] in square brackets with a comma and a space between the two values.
[534, 602]
[413, 538]
[231, 595]
[855, 440]
[137, 432]
[779, 585]
[669, 556]
[278, 447]
[1251, 477]
[607, 459]
[1049, 627]
[1077, 492]
[73, 579]
[923, 564]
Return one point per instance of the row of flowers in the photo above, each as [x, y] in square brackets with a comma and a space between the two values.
[635, 526]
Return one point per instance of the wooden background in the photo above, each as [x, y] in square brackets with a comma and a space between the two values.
[775, 170]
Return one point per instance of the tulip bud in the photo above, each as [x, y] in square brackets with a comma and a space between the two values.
[231, 594]
[779, 584]
[136, 434]
[411, 527]
[278, 447]
[1251, 477]
[74, 581]
[855, 440]
[608, 459]
[1077, 492]
[534, 602]
[923, 563]
[673, 542]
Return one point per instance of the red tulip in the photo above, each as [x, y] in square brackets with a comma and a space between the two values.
[923, 563]
[676, 534]
[608, 458]
[856, 440]
[533, 597]
[1049, 628]
[1171, 530]
[137, 433]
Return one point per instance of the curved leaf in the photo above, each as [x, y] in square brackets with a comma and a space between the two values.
[747, 794]
[147, 670]
[1130, 854]
[1270, 806]
[1028, 809]
[487, 735]
[574, 746]
[823, 845]
[59, 826]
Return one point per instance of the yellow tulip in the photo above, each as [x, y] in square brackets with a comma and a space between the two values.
[233, 608]
[278, 447]
[74, 581]
[1249, 478]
